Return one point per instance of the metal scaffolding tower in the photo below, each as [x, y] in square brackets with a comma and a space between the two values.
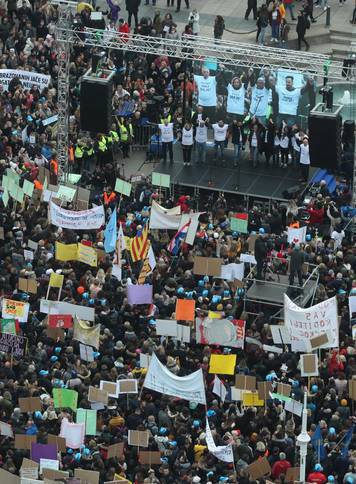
[191, 48]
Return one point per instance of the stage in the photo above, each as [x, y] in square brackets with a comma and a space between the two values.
[262, 182]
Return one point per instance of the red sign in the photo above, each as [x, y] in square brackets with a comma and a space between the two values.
[60, 321]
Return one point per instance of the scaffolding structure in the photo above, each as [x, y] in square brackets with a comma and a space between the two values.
[190, 48]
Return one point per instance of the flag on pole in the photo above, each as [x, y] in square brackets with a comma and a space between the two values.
[139, 245]
[146, 268]
[219, 389]
[110, 233]
[151, 258]
[175, 243]
[318, 444]
[121, 238]
[347, 441]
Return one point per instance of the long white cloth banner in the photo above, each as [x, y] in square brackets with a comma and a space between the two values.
[164, 218]
[160, 379]
[90, 219]
[28, 79]
[222, 452]
[306, 323]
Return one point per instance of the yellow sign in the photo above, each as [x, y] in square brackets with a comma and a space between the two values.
[87, 255]
[65, 252]
[56, 280]
[250, 399]
[222, 364]
[214, 315]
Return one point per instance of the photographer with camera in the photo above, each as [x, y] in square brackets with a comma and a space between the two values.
[193, 21]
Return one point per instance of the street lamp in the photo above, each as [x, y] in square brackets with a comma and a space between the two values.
[303, 440]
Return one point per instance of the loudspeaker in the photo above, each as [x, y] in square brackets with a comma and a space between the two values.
[348, 135]
[96, 105]
[325, 140]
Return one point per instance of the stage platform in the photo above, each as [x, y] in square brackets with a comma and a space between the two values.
[272, 292]
[263, 182]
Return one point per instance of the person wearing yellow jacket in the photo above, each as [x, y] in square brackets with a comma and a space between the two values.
[101, 149]
[126, 135]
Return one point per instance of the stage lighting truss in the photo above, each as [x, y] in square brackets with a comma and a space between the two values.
[193, 48]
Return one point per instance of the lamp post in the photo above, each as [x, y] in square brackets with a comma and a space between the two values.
[303, 440]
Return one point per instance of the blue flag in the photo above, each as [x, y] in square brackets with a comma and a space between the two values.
[347, 440]
[317, 443]
[110, 234]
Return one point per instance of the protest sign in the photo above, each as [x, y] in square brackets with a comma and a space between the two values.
[161, 180]
[183, 333]
[284, 389]
[84, 220]
[352, 388]
[86, 352]
[160, 379]
[185, 309]
[88, 417]
[98, 395]
[149, 457]
[30, 404]
[57, 334]
[73, 433]
[263, 389]
[8, 477]
[15, 309]
[64, 321]
[292, 474]
[219, 389]
[62, 307]
[29, 469]
[83, 332]
[13, 344]
[305, 323]
[239, 222]
[110, 387]
[248, 258]
[127, 386]
[251, 399]
[259, 468]
[54, 474]
[272, 349]
[245, 382]
[87, 477]
[166, 327]
[6, 430]
[222, 364]
[28, 188]
[43, 451]
[319, 341]
[8, 326]
[56, 280]
[139, 294]
[24, 441]
[49, 464]
[144, 360]
[138, 438]
[207, 266]
[123, 187]
[280, 334]
[58, 441]
[87, 255]
[28, 285]
[28, 79]
[115, 450]
[221, 332]
[294, 407]
[309, 365]
[65, 398]
[297, 235]
[66, 194]
[66, 252]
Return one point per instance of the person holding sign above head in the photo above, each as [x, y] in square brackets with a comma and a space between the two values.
[166, 129]
[206, 91]
[260, 97]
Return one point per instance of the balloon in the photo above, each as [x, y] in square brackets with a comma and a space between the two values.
[314, 388]
[332, 430]
[80, 290]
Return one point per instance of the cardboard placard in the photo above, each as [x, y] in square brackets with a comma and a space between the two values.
[27, 285]
[54, 474]
[56, 333]
[284, 389]
[207, 266]
[138, 438]
[110, 387]
[24, 441]
[30, 404]
[259, 468]
[264, 388]
[309, 364]
[60, 442]
[244, 382]
[9, 478]
[2, 235]
[251, 243]
[97, 395]
[115, 450]
[87, 477]
[318, 341]
[292, 474]
[352, 388]
[29, 469]
[149, 457]
[127, 386]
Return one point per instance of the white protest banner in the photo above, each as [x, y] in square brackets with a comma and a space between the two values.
[232, 271]
[305, 323]
[160, 379]
[294, 407]
[62, 307]
[272, 349]
[166, 327]
[248, 258]
[352, 305]
[221, 332]
[219, 389]
[49, 464]
[28, 79]
[74, 433]
[91, 219]
[6, 430]
[222, 452]
[164, 218]
[296, 236]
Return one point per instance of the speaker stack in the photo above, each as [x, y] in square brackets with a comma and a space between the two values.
[96, 101]
[325, 137]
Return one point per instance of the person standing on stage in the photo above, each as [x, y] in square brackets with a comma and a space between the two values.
[206, 90]
[304, 158]
[201, 138]
[260, 97]
[167, 137]
[260, 252]
[187, 143]
[220, 135]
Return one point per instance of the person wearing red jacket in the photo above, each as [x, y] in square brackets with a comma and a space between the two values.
[334, 364]
[280, 466]
[316, 214]
[124, 29]
[317, 476]
[183, 201]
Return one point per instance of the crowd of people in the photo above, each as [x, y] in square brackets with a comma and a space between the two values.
[28, 251]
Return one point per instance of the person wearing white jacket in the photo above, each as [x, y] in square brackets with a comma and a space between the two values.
[193, 21]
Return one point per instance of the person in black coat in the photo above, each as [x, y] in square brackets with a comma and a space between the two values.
[238, 139]
[302, 25]
[268, 145]
[251, 5]
[260, 253]
[297, 259]
[132, 9]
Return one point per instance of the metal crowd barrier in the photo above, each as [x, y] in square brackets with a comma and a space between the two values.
[141, 139]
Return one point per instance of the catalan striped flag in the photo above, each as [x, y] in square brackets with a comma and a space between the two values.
[146, 268]
[140, 244]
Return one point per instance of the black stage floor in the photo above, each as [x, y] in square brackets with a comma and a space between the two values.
[265, 182]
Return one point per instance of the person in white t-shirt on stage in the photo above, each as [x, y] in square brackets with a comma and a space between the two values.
[220, 135]
[206, 91]
[304, 158]
[187, 140]
[201, 138]
[167, 136]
